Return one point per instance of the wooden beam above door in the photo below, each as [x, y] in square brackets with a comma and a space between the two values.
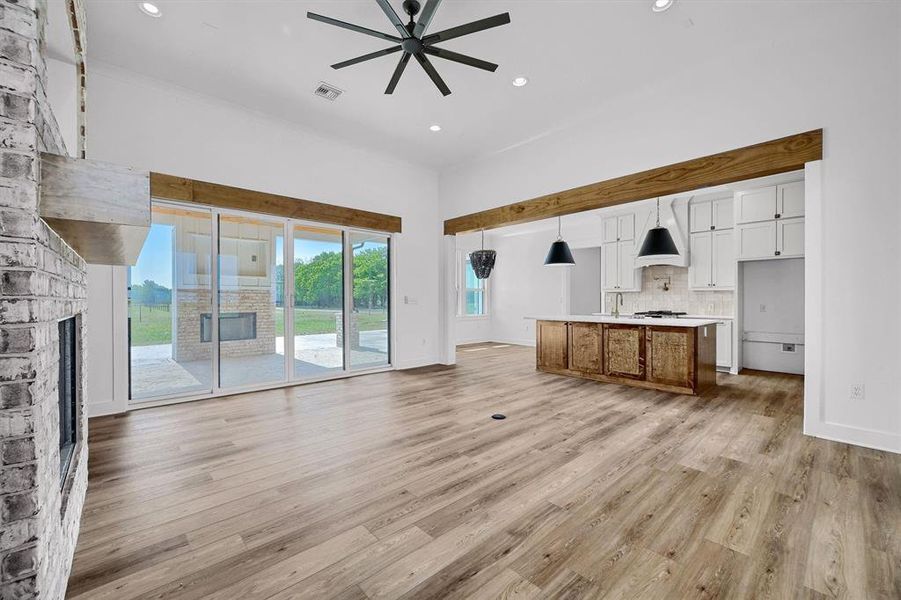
[767, 158]
[170, 187]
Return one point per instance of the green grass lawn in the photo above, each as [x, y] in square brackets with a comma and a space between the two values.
[153, 324]
[150, 324]
[308, 321]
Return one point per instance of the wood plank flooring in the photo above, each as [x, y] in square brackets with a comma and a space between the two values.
[400, 485]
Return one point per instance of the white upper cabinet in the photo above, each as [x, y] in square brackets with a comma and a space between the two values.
[626, 227]
[619, 273]
[756, 205]
[611, 230]
[790, 237]
[791, 200]
[712, 260]
[619, 228]
[756, 240]
[770, 222]
[699, 274]
[723, 213]
[710, 215]
[701, 217]
[723, 262]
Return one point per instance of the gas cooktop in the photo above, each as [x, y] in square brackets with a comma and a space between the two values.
[659, 314]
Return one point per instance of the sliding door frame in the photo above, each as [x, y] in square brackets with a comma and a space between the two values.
[289, 379]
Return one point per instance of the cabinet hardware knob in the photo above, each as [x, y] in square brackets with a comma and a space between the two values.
[712, 227]
[778, 215]
[778, 253]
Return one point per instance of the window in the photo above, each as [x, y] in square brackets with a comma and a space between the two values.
[473, 301]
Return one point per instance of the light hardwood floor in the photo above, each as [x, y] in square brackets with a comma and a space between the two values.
[400, 485]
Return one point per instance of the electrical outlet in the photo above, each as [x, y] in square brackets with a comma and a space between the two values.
[857, 391]
[763, 308]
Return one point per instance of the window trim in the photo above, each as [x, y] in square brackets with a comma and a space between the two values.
[462, 260]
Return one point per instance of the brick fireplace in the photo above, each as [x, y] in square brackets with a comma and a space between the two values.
[42, 283]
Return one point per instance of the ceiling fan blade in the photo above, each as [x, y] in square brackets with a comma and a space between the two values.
[460, 58]
[392, 16]
[429, 68]
[425, 18]
[460, 30]
[352, 27]
[366, 57]
[398, 71]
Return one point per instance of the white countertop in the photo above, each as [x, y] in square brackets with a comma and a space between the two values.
[681, 322]
[702, 317]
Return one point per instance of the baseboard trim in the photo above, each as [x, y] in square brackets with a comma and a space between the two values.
[415, 363]
[102, 409]
[868, 438]
[526, 342]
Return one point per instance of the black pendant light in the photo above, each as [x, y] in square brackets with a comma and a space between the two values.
[482, 261]
[658, 241]
[559, 254]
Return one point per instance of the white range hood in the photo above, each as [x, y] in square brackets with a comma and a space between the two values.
[673, 216]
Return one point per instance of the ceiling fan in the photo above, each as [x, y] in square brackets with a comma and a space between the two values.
[414, 42]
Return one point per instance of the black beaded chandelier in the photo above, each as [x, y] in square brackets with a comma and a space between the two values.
[482, 261]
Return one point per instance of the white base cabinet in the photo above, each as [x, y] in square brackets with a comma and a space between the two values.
[724, 345]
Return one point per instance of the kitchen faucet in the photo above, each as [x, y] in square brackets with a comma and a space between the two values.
[617, 302]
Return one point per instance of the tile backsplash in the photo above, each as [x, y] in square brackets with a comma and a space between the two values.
[678, 298]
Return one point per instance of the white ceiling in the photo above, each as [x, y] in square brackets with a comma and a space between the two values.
[267, 56]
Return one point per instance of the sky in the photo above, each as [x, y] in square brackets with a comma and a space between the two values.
[155, 261]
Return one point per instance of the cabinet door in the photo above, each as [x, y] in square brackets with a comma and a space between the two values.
[585, 347]
[624, 351]
[756, 240]
[723, 266]
[627, 277]
[552, 345]
[627, 227]
[790, 237]
[724, 344]
[756, 205]
[701, 255]
[791, 200]
[723, 213]
[610, 272]
[671, 355]
[701, 218]
[611, 230]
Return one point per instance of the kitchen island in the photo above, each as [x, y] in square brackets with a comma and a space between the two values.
[672, 355]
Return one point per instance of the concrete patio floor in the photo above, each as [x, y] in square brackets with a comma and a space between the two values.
[155, 373]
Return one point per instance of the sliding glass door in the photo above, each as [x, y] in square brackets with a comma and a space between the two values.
[213, 308]
[369, 317]
[251, 303]
[169, 290]
[318, 301]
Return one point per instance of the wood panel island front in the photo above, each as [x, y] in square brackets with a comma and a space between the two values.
[672, 355]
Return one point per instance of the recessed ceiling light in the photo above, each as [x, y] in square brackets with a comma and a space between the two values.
[661, 5]
[149, 8]
[520, 81]
[435, 128]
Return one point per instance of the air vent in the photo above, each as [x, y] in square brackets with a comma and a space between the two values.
[328, 91]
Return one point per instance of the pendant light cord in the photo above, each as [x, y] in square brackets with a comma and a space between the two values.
[559, 228]
[658, 212]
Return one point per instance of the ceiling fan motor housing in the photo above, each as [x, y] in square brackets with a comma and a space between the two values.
[411, 7]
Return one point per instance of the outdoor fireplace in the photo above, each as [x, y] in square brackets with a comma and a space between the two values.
[68, 393]
[233, 326]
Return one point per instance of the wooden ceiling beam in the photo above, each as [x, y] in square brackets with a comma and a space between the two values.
[768, 158]
[170, 187]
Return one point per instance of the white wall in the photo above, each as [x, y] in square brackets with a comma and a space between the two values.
[773, 305]
[585, 281]
[522, 286]
[152, 125]
[840, 70]
[62, 93]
